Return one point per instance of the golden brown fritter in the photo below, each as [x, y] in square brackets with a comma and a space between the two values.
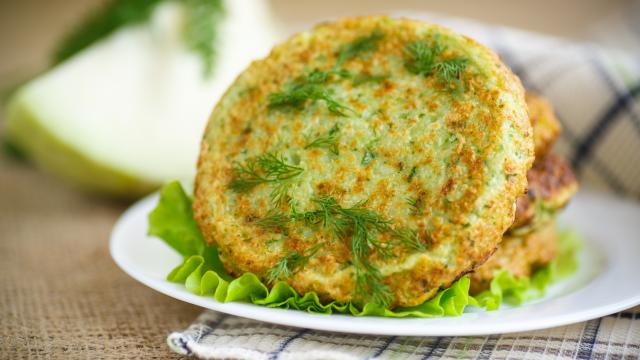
[370, 159]
[546, 127]
[551, 186]
[520, 255]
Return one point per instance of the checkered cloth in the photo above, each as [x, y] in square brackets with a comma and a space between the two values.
[218, 336]
[596, 94]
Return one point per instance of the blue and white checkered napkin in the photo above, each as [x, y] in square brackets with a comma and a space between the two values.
[596, 94]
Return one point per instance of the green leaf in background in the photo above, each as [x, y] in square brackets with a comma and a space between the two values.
[113, 15]
[203, 274]
[199, 33]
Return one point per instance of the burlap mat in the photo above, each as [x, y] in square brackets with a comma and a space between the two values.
[61, 295]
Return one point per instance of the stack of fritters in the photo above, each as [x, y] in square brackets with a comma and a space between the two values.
[531, 242]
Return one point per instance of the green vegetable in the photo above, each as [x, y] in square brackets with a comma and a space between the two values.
[368, 157]
[199, 32]
[424, 59]
[202, 273]
[309, 87]
[288, 264]
[111, 17]
[361, 45]
[329, 141]
[173, 221]
[514, 291]
[267, 168]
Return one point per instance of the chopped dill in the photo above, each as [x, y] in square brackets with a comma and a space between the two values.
[368, 157]
[267, 168]
[274, 220]
[310, 87]
[328, 141]
[360, 45]
[417, 205]
[200, 31]
[423, 59]
[409, 238]
[422, 56]
[361, 227]
[450, 69]
[287, 265]
[360, 79]
[412, 174]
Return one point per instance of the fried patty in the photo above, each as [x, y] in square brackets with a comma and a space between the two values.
[520, 255]
[368, 160]
[551, 186]
[546, 127]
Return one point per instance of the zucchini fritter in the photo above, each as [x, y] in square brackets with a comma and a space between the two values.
[546, 127]
[551, 186]
[521, 255]
[368, 160]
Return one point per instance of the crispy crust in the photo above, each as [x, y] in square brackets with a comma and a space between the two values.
[546, 127]
[468, 189]
[521, 255]
[551, 186]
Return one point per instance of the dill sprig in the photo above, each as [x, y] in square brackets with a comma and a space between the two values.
[274, 220]
[360, 45]
[360, 226]
[422, 56]
[287, 265]
[364, 226]
[368, 157]
[412, 173]
[450, 69]
[328, 141]
[309, 87]
[267, 168]
[199, 32]
[423, 59]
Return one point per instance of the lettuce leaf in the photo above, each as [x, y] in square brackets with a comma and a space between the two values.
[203, 274]
[514, 291]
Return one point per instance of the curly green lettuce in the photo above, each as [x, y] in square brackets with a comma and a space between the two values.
[203, 273]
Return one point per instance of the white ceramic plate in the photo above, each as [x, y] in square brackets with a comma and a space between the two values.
[606, 282]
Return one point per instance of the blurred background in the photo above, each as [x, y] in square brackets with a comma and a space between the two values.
[88, 129]
[29, 29]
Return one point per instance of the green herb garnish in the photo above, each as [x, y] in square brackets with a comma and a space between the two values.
[202, 16]
[412, 173]
[274, 220]
[364, 226]
[368, 157]
[285, 267]
[450, 69]
[329, 141]
[112, 16]
[360, 79]
[267, 168]
[424, 60]
[309, 87]
[200, 30]
[360, 45]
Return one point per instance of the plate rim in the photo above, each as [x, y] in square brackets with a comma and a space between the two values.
[323, 322]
